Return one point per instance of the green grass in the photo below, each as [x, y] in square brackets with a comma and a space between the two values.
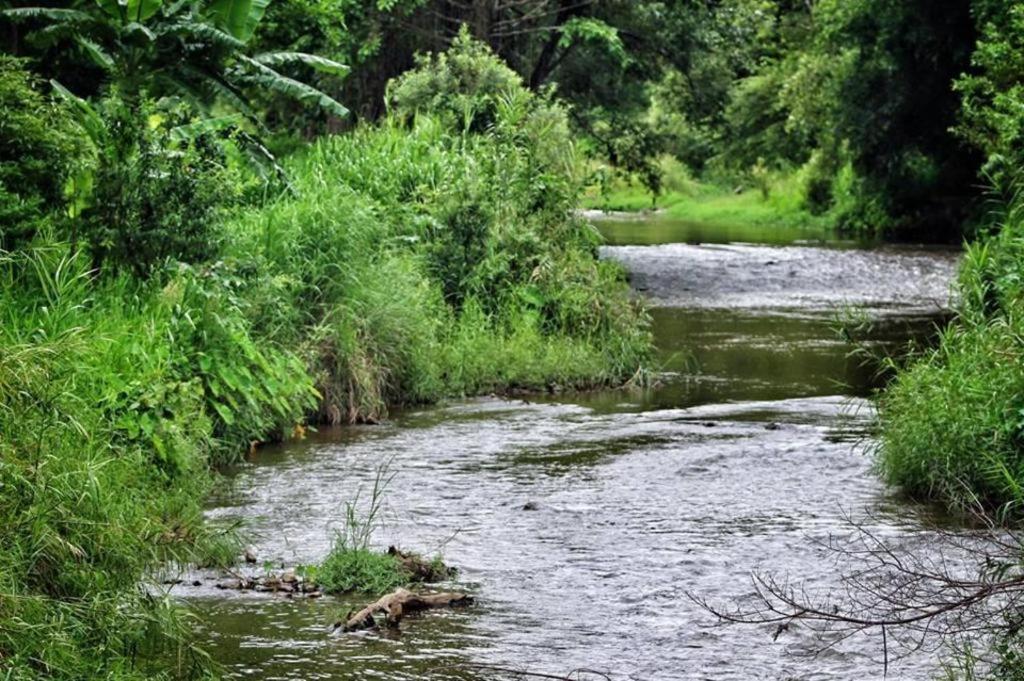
[360, 570]
[89, 502]
[952, 423]
[713, 205]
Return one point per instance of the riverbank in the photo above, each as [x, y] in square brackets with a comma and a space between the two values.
[400, 264]
[777, 202]
[953, 420]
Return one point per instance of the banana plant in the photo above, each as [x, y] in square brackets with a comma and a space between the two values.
[195, 50]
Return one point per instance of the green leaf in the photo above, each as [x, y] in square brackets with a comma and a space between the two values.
[87, 116]
[147, 424]
[238, 17]
[50, 13]
[113, 8]
[161, 448]
[289, 87]
[207, 32]
[588, 29]
[140, 10]
[322, 64]
[226, 414]
[532, 296]
[96, 53]
[134, 28]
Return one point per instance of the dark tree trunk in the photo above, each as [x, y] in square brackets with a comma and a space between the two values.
[546, 60]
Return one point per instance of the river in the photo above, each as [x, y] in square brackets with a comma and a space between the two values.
[581, 523]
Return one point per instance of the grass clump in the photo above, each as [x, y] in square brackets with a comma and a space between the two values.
[952, 423]
[353, 566]
[348, 569]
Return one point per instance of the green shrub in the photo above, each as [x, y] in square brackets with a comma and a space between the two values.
[254, 389]
[463, 85]
[155, 195]
[40, 148]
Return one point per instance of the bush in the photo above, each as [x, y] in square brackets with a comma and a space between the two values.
[155, 193]
[463, 86]
[254, 389]
[40, 148]
[403, 244]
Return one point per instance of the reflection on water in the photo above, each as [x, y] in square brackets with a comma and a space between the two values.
[726, 355]
[582, 523]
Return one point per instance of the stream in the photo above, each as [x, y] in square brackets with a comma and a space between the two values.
[581, 522]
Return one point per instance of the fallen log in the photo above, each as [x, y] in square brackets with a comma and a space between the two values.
[420, 569]
[396, 604]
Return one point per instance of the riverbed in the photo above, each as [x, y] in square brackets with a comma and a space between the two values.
[581, 523]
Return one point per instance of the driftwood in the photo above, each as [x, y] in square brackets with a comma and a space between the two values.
[396, 604]
[421, 570]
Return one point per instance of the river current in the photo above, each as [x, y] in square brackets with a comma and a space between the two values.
[582, 523]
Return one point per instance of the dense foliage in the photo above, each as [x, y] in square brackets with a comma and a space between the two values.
[952, 422]
[853, 96]
[37, 156]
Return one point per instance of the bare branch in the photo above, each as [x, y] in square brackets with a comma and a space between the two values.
[916, 591]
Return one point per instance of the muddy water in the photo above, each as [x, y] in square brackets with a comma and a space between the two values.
[751, 448]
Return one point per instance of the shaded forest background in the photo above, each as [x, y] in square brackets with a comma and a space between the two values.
[887, 111]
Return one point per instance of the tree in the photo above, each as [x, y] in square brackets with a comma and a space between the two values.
[874, 89]
[195, 50]
[992, 112]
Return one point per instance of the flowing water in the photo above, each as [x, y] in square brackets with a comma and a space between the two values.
[582, 523]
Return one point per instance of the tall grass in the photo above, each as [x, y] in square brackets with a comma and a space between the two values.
[87, 503]
[953, 421]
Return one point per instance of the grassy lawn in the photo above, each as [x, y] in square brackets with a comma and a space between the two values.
[710, 204]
